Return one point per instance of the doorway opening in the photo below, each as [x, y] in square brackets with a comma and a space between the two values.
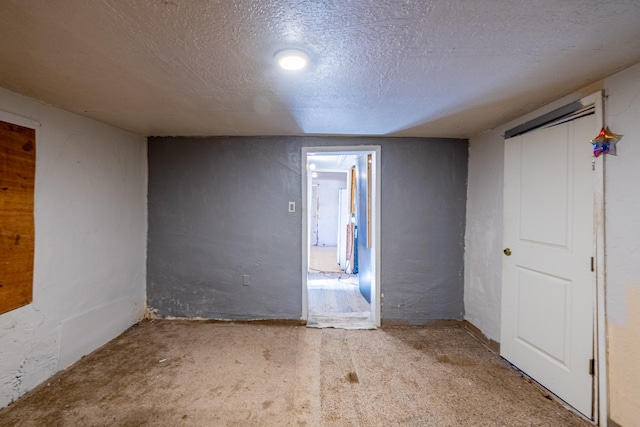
[340, 237]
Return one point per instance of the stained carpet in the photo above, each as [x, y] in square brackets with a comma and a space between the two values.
[192, 373]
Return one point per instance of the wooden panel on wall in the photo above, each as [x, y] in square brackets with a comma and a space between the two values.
[17, 234]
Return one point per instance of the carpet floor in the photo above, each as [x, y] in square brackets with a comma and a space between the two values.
[197, 373]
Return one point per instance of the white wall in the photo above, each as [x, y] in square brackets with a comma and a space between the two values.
[622, 222]
[483, 236]
[328, 209]
[90, 245]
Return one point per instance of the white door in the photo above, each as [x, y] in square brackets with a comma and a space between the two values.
[548, 287]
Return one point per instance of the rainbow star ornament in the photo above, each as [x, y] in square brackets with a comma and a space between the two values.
[605, 142]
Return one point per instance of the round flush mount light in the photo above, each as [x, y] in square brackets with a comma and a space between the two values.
[292, 59]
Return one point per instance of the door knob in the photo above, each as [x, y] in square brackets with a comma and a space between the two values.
[507, 252]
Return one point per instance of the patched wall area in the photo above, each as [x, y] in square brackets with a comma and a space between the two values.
[218, 212]
[622, 201]
[90, 228]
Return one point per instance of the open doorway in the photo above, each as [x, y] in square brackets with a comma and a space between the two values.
[340, 230]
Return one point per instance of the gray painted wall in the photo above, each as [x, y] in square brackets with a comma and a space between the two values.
[423, 223]
[218, 211]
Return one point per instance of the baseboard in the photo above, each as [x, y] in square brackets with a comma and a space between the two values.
[437, 322]
[611, 423]
[151, 315]
[476, 332]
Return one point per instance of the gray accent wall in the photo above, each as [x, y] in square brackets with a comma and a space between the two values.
[423, 223]
[222, 245]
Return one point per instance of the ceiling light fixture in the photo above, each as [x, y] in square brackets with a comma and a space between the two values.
[292, 59]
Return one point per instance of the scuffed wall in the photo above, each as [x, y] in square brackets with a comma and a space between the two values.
[218, 212]
[424, 189]
[483, 237]
[90, 221]
[622, 201]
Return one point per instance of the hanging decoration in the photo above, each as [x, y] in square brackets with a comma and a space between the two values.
[605, 142]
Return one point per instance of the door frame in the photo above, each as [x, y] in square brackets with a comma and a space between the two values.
[375, 151]
[600, 334]
[600, 397]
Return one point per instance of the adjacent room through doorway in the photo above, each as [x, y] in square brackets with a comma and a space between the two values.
[339, 274]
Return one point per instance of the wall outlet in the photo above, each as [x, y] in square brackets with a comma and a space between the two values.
[246, 280]
[292, 206]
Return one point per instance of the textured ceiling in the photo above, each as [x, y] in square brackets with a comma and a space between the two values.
[378, 67]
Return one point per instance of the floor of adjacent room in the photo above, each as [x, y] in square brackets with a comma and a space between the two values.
[334, 298]
[199, 373]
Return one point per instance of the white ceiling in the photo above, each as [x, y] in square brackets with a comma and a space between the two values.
[378, 67]
[331, 162]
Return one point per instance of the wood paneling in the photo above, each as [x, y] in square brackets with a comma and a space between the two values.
[17, 234]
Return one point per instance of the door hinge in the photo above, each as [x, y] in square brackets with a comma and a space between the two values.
[592, 367]
[593, 267]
